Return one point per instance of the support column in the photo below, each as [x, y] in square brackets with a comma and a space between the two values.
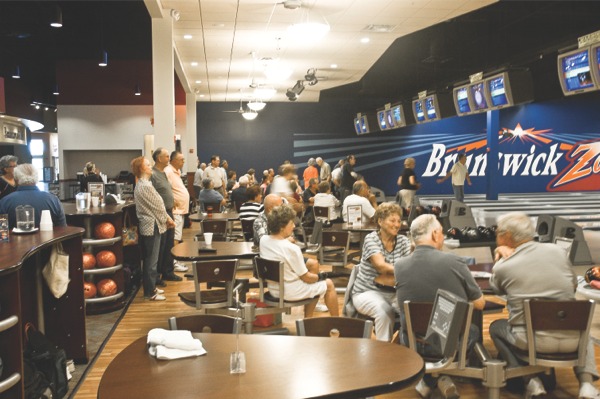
[189, 141]
[163, 81]
[491, 170]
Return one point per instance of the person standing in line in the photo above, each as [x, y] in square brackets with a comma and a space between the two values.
[154, 222]
[181, 197]
[408, 184]
[198, 176]
[325, 170]
[310, 172]
[163, 187]
[459, 173]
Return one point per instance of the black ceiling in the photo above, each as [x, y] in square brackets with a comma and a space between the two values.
[515, 34]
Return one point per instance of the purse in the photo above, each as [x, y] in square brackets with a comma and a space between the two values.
[56, 271]
[130, 233]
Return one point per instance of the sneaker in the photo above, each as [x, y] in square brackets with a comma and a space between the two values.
[321, 307]
[171, 277]
[159, 291]
[534, 388]
[179, 267]
[588, 391]
[423, 389]
[447, 388]
[156, 297]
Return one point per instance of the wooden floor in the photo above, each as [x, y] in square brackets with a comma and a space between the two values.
[145, 315]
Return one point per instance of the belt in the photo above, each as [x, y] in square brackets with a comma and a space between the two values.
[385, 288]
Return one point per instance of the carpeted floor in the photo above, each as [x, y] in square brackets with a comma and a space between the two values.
[99, 329]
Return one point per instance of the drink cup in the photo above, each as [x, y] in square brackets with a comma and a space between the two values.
[95, 201]
[208, 238]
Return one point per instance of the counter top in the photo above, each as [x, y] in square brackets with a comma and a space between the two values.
[71, 209]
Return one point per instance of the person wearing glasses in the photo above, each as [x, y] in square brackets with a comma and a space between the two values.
[7, 177]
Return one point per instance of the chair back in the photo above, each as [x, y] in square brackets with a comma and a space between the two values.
[217, 227]
[549, 315]
[222, 271]
[206, 323]
[315, 236]
[348, 308]
[334, 248]
[335, 327]
[248, 229]
[214, 207]
[238, 205]
[322, 213]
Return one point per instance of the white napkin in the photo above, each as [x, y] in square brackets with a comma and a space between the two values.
[166, 344]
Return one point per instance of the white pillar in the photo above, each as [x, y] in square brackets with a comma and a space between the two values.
[163, 81]
[189, 140]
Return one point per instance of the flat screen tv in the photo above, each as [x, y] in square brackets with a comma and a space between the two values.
[357, 128]
[574, 71]
[498, 87]
[478, 100]
[461, 100]
[389, 119]
[397, 114]
[431, 108]
[382, 120]
[595, 63]
[419, 111]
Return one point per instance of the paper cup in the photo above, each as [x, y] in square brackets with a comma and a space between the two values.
[95, 201]
[208, 238]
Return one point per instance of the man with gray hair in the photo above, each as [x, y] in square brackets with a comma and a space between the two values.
[526, 269]
[27, 193]
[418, 277]
[325, 170]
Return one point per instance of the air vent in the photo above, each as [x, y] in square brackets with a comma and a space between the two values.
[379, 28]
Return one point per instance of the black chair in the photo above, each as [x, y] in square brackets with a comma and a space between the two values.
[217, 227]
[334, 247]
[343, 327]
[207, 323]
[248, 229]
[322, 213]
[212, 272]
[210, 207]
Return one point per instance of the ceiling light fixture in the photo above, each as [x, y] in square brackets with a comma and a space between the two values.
[311, 76]
[309, 29]
[249, 115]
[187, 37]
[56, 21]
[55, 90]
[293, 92]
[17, 73]
[138, 91]
[257, 105]
[103, 58]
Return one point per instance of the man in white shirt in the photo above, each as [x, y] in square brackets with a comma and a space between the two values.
[198, 176]
[181, 198]
[325, 170]
[361, 195]
[325, 199]
[215, 173]
[459, 173]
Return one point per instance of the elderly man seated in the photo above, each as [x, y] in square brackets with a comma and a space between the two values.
[208, 195]
[526, 269]
[27, 193]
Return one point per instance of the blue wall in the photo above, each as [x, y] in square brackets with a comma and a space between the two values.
[536, 141]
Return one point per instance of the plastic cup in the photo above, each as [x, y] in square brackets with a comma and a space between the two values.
[95, 201]
[208, 238]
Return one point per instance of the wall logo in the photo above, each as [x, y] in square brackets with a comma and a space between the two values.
[543, 153]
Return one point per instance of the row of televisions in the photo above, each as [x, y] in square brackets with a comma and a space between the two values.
[578, 71]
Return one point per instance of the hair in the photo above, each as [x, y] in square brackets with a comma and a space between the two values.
[357, 186]
[89, 168]
[423, 226]
[319, 159]
[206, 183]
[224, 161]
[518, 224]
[231, 173]
[461, 156]
[279, 217]
[26, 175]
[312, 181]
[311, 162]
[5, 162]
[136, 166]
[409, 161]
[174, 155]
[324, 186]
[286, 169]
[213, 157]
[387, 209]
[156, 153]
[251, 172]
[253, 191]
[293, 185]
[349, 157]
[243, 181]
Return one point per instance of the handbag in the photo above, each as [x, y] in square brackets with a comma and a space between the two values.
[56, 271]
[130, 233]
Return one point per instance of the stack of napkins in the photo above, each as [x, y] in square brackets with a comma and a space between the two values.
[167, 344]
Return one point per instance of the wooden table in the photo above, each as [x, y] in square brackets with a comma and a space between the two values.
[277, 367]
[187, 251]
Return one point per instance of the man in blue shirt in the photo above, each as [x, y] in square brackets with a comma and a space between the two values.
[27, 193]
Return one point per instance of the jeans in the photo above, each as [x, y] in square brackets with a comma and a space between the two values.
[381, 306]
[151, 248]
[459, 193]
[165, 259]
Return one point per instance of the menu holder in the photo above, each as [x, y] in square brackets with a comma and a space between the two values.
[96, 190]
[4, 227]
[354, 214]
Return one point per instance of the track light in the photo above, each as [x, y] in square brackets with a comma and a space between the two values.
[138, 91]
[311, 77]
[103, 59]
[55, 91]
[56, 21]
[17, 73]
[293, 93]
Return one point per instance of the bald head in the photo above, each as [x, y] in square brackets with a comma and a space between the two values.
[271, 201]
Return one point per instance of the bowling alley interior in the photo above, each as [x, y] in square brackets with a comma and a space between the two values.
[150, 150]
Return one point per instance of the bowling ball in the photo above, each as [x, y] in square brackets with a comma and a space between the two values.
[104, 230]
[485, 233]
[106, 287]
[592, 274]
[106, 259]
[89, 290]
[436, 210]
[89, 261]
[419, 210]
[471, 234]
[454, 233]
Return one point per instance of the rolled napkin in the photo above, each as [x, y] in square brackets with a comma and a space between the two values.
[167, 344]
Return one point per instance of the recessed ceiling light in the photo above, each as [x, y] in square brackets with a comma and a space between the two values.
[198, 82]
[201, 95]
[194, 63]
[187, 37]
[333, 66]
[365, 40]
